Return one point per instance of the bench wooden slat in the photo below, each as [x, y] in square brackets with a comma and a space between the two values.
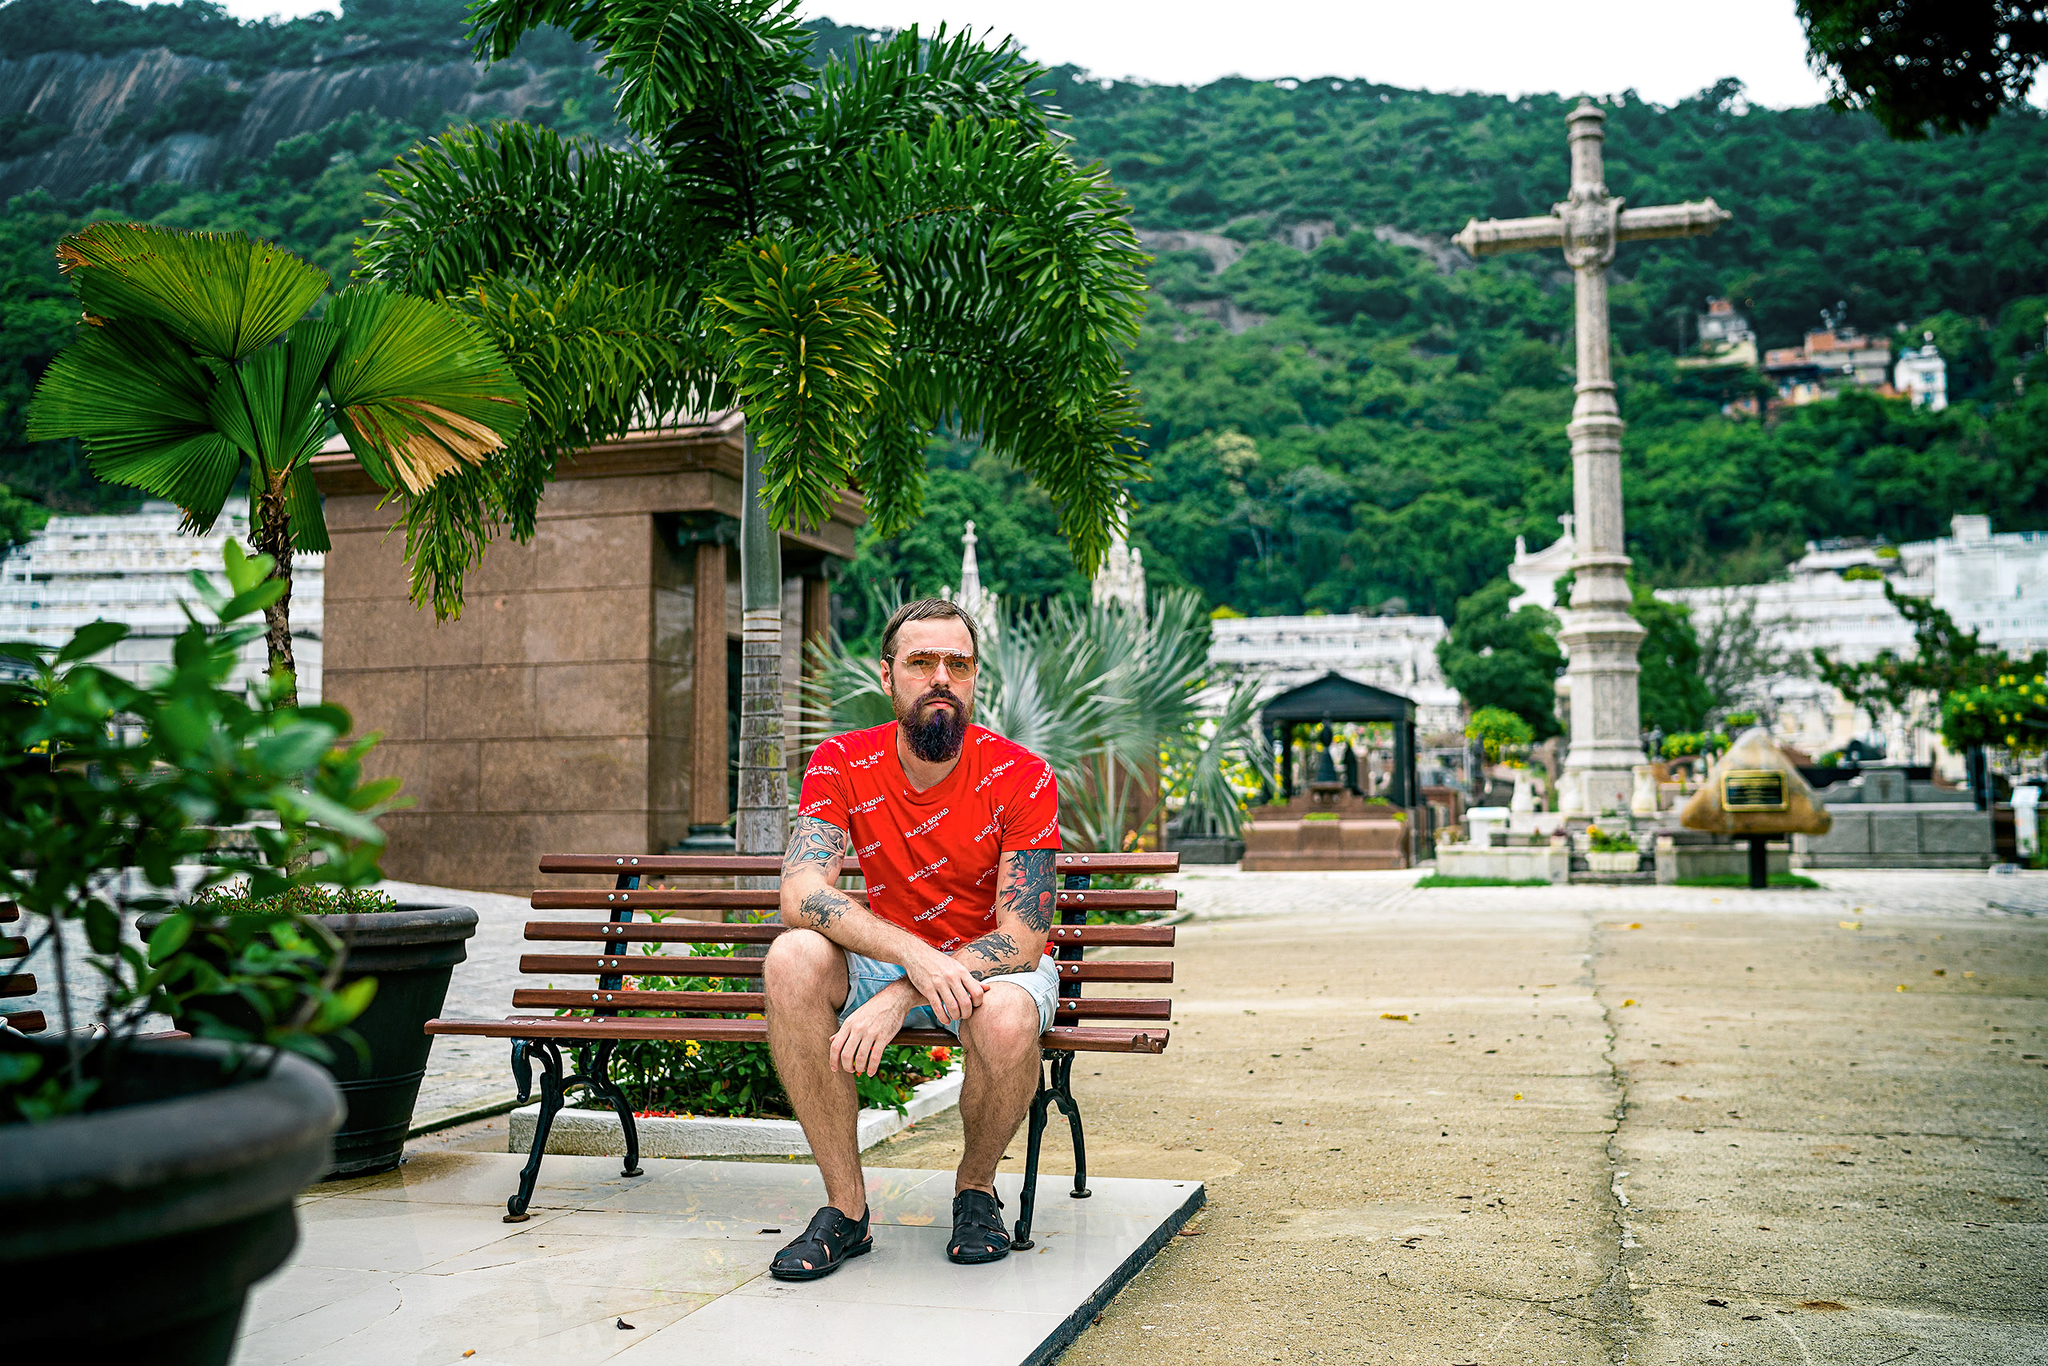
[754, 1002]
[577, 1029]
[683, 965]
[770, 865]
[9, 911]
[770, 898]
[27, 1021]
[701, 932]
[641, 965]
[13, 946]
[649, 932]
[20, 984]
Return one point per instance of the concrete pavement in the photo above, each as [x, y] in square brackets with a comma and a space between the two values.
[1616, 1125]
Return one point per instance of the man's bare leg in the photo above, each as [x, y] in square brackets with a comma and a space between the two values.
[805, 979]
[1002, 1076]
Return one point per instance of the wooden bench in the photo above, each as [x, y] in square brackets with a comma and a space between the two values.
[593, 1027]
[13, 981]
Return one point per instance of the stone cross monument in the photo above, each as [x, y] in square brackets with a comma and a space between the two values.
[1597, 632]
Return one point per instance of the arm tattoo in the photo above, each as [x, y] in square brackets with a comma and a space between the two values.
[996, 946]
[1000, 952]
[1028, 889]
[824, 906]
[813, 842]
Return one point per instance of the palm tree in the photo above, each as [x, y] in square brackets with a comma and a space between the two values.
[1119, 703]
[851, 256]
[195, 360]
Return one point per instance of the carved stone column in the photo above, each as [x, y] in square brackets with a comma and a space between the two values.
[1597, 632]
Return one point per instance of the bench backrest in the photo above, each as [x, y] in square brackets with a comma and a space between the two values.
[615, 948]
[14, 982]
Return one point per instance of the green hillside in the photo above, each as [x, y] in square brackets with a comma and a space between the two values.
[1379, 420]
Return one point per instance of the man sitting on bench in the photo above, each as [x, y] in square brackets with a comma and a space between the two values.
[956, 830]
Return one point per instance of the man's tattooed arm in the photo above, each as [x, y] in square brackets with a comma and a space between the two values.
[1027, 887]
[814, 843]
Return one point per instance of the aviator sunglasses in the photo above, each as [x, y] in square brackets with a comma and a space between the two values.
[923, 664]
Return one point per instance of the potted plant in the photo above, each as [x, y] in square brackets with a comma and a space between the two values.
[410, 950]
[176, 1160]
[1611, 851]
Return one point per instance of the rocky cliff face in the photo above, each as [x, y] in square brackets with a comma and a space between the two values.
[101, 99]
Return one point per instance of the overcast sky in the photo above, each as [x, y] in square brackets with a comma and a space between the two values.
[1662, 49]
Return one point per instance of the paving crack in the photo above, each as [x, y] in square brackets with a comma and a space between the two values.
[1625, 1318]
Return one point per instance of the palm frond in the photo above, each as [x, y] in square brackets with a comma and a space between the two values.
[418, 389]
[596, 359]
[512, 198]
[137, 398]
[903, 83]
[1014, 281]
[807, 353]
[671, 57]
[222, 293]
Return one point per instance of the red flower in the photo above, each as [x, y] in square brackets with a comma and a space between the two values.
[943, 1055]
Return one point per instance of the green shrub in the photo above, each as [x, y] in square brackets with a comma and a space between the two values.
[714, 1077]
[1504, 734]
[232, 898]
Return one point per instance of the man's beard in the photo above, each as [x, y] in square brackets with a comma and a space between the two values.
[937, 737]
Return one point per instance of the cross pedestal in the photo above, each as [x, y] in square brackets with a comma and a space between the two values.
[1597, 632]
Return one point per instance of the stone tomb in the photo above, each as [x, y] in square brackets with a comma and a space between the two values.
[584, 699]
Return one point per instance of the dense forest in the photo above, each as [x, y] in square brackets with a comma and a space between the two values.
[1342, 411]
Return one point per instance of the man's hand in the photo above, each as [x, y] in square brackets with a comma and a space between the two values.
[948, 984]
[858, 1045]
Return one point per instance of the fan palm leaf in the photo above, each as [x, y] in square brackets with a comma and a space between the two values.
[223, 294]
[194, 355]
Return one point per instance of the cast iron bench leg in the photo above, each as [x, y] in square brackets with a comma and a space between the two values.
[1063, 1095]
[601, 1082]
[1028, 1196]
[550, 1103]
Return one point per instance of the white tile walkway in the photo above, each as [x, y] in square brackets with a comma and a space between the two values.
[416, 1268]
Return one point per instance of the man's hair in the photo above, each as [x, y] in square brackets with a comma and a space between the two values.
[927, 609]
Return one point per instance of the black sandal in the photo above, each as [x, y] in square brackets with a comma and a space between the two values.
[830, 1240]
[978, 1233]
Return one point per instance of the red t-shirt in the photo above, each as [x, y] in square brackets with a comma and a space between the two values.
[929, 858]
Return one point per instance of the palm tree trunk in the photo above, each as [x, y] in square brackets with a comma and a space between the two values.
[274, 538]
[762, 821]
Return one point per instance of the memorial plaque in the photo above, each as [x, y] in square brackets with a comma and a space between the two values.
[1754, 789]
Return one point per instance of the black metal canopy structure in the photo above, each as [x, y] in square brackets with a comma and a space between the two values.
[1335, 698]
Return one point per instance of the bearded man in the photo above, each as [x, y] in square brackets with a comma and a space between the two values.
[956, 830]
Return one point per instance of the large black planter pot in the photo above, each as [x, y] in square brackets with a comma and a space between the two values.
[133, 1232]
[412, 952]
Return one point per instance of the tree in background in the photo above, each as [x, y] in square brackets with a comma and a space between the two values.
[19, 520]
[1948, 661]
[1948, 65]
[196, 362]
[849, 256]
[1502, 735]
[2009, 712]
[1672, 692]
[1509, 660]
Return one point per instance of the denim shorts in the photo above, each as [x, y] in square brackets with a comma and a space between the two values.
[867, 976]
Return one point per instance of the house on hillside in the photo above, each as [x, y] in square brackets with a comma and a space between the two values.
[1829, 361]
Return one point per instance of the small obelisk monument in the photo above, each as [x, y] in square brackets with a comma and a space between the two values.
[1597, 632]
